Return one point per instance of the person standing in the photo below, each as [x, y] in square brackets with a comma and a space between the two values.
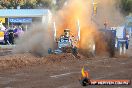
[127, 40]
[11, 36]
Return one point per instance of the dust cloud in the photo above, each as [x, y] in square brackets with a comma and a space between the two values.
[90, 23]
[108, 10]
[37, 40]
[81, 10]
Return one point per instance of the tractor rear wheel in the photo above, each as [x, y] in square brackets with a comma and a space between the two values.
[67, 49]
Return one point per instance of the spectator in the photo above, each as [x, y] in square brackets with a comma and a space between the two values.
[11, 36]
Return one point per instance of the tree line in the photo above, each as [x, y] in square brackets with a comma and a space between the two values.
[126, 6]
[13, 4]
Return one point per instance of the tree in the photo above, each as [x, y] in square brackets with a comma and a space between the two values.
[60, 3]
[28, 5]
[44, 3]
[126, 6]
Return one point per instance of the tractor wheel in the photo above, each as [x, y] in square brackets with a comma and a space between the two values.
[49, 51]
[74, 51]
[67, 49]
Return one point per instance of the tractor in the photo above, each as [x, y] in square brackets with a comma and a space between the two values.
[66, 43]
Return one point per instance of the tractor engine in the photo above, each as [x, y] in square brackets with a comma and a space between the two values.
[65, 42]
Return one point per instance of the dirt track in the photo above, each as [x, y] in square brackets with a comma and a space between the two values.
[62, 71]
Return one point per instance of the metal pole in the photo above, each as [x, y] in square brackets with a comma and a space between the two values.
[54, 30]
[78, 25]
[8, 23]
[92, 11]
[26, 27]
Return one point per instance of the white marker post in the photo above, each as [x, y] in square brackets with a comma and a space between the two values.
[124, 48]
[120, 49]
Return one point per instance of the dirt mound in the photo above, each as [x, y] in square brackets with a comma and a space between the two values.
[20, 60]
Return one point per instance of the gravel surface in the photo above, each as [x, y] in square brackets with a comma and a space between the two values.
[60, 71]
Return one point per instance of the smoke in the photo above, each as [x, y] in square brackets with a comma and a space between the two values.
[90, 23]
[39, 39]
[36, 41]
[79, 10]
[108, 10]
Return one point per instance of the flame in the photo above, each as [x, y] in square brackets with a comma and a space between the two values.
[68, 17]
[84, 73]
